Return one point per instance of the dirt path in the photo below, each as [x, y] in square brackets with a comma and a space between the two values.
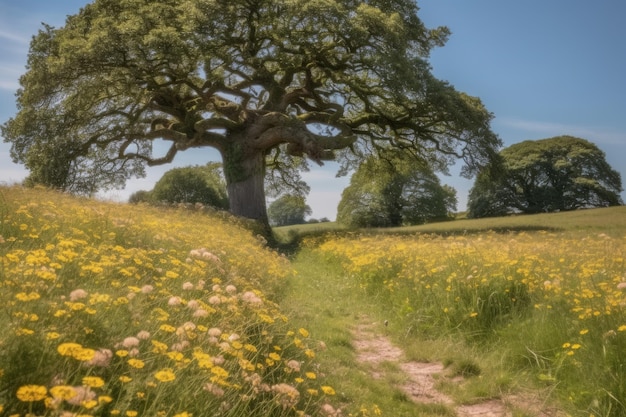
[374, 349]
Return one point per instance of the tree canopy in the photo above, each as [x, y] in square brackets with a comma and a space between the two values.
[287, 210]
[196, 184]
[268, 83]
[394, 192]
[556, 174]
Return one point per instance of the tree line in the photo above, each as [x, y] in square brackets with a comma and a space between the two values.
[556, 174]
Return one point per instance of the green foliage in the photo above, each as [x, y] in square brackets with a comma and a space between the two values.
[394, 192]
[279, 81]
[141, 196]
[557, 174]
[288, 210]
[197, 184]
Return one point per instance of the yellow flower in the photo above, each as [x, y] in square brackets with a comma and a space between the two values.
[159, 347]
[89, 404]
[85, 354]
[303, 332]
[165, 375]
[311, 375]
[183, 414]
[622, 328]
[29, 393]
[63, 392]
[93, 381]
[68, 349]
[328, 390]
[136, 363]
[167, 328]
[131, 413]
[125, 378]
[22, 296]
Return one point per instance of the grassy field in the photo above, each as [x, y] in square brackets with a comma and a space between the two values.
[528, 302]
[116, 310]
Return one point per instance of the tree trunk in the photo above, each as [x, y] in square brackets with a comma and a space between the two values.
[244, 170]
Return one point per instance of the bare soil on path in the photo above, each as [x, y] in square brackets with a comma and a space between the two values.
[421, 379]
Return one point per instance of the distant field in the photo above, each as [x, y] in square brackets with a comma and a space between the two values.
[611, 220]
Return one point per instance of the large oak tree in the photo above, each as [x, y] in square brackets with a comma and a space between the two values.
[268, 83]
[556, 174]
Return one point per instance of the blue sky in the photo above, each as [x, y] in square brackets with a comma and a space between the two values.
[543, 68]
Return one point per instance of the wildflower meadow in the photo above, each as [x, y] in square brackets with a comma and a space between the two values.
[551, 303]
[118, 310]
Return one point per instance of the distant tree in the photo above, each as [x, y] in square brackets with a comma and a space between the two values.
[141, 196]
[394, 192]
[267, 83]
[288, 210]
[556, 174]
[197, 184]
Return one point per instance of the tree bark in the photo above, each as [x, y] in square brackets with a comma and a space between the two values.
[244, 169]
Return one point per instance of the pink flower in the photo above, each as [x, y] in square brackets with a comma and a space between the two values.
[174, 301]
[231, 289]
[147, 289]
[102, 358]
[130, 342]
[82, 394]
[251, 298]
[214, 332]
[78, 294]
[143, 335]
[200, 313]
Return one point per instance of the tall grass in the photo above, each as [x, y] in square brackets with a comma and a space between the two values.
[111, 310]
[550, 303]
